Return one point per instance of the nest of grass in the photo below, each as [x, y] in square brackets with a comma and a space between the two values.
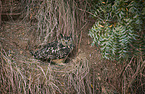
[32, 76]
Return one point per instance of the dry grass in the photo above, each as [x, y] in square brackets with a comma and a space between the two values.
[76, 77]
[47, 19]
[55, 17]
[33, 77]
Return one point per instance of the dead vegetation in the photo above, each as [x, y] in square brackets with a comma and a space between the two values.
[85, 73]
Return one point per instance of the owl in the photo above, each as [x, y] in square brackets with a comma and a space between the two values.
[57, 51]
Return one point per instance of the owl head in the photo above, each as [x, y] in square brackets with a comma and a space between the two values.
[67, 41]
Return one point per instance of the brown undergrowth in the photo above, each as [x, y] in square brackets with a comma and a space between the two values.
[84, 73]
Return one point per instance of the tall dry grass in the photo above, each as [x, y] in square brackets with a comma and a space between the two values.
[33, 77]
[25, 77]
[77, 77]
[50, 18]
[133, 76]
[54, 17]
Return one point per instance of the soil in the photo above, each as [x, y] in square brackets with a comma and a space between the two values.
[14, 41]
[15, 38]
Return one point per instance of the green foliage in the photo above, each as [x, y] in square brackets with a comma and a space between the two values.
[118, 24]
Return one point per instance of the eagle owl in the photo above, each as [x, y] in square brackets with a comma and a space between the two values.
[56, 51]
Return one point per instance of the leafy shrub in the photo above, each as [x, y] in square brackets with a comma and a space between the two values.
[118, 24]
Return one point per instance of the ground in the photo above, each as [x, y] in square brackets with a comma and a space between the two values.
[14, 39]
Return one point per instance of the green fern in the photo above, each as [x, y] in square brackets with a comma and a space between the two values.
[116, 27]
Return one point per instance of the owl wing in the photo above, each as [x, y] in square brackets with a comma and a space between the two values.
[52, 51]
[63, 52]
[47, 52]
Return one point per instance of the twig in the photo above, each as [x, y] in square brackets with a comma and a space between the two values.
[10, 13]
[126, 67]
[0, 11]
[139, 69]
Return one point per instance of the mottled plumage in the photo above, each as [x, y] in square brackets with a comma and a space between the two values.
[56, 51]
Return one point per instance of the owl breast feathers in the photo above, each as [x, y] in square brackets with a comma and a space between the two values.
[55, 50]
